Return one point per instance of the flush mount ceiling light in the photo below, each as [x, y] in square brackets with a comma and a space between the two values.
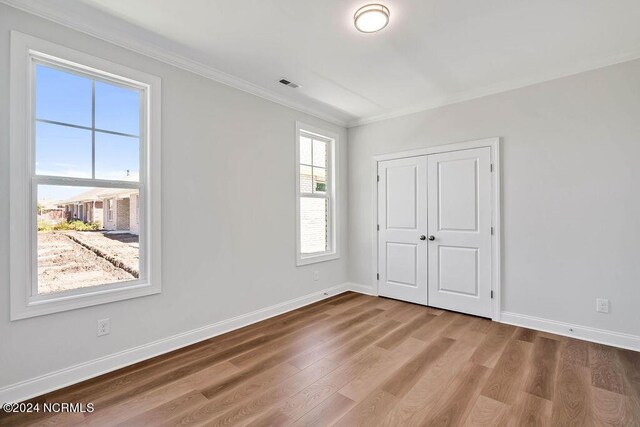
[371, 18]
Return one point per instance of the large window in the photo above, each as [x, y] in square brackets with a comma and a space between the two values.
[316, 195]
[85, 158]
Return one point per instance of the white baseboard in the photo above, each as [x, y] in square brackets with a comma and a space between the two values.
[84, 371]
[361, 289]
[601, 336]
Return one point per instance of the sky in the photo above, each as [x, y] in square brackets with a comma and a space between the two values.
[67, 151]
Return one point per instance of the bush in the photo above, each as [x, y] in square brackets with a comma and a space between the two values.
[44, 226]
[76, 226]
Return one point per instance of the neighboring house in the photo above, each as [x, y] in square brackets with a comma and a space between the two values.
[121, 210]
[50, 212]
[114, 209]
[86, 207]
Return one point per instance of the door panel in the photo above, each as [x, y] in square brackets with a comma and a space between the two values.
[402, 263]
[459, 219]
[458, 270]
[402, 214]
[458, 195]
[401, 183]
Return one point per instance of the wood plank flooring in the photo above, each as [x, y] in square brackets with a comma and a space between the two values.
[358, 360]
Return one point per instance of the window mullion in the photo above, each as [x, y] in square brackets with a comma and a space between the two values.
[312, 168]
[93, 129]
[315, 195]
[85, 182]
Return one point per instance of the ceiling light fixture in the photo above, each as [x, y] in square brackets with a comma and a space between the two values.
[371, 18]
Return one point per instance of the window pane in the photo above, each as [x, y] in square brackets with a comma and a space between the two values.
[117, 157]
[305, 179]
[117, 109]
[314, 226]
[80, 245]
[319, 153]
[319, 180]
[63, 151]
[62, 96]
[305, 150]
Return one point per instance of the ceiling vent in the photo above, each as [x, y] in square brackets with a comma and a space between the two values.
[290, 84]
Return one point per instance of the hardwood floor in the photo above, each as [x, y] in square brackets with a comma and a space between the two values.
[360, 360]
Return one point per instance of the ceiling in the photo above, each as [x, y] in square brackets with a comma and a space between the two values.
[434, 52]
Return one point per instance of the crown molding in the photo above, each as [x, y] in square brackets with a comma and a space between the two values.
[55, 12]
[469, 95]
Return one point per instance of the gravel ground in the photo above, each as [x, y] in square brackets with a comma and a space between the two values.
[63, 264]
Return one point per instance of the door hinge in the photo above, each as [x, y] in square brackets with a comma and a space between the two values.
[377, 276]
[492, 231]
[378, 227]
[378, 178]
[491, 167]
[491, 294]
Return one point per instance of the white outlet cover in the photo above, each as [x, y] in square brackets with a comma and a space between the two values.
[602, 305]
[104, 327]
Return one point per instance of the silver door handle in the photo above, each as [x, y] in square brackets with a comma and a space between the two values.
[432, 238]
[423, 237]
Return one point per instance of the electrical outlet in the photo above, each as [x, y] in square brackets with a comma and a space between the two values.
[602, 305]
[104, 327]
[316, 276]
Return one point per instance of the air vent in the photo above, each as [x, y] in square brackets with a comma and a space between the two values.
[290, 84]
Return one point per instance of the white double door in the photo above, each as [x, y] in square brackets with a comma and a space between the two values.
[434, 237]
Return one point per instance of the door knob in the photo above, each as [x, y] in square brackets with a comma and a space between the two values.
[432, 237]
[423, 237]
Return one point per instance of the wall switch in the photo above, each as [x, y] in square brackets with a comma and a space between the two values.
[104, 327]
[316, 276]
[602, 305]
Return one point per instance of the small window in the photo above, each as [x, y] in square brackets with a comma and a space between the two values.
[92, 129]
[316, 195]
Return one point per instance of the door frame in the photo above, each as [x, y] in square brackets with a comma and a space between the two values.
[496, 207]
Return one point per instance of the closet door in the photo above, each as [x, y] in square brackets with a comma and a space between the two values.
[459, 224]
[402, 220]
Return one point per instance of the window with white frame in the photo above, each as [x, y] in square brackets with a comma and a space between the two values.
[89, 137]
[109, 210]
[315, 195]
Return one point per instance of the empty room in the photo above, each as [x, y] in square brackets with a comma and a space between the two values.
[319, 212]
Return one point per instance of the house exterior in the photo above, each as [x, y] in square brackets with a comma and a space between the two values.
[85, 207]
[121, 211]
[50, 212]
[114, 209]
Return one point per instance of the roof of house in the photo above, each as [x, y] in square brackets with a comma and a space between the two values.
[96, 194]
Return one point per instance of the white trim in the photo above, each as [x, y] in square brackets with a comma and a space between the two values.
[601, 336]
[23, 272]
[496, 250]
[83, 371]
[361, 289]
[586, 333]
[88, 23]
[333, 180]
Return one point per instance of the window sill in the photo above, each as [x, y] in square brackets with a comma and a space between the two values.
[71, 302]
[313, 259]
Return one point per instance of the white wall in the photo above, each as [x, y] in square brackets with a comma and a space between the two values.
[233, 254]
[571, 202]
